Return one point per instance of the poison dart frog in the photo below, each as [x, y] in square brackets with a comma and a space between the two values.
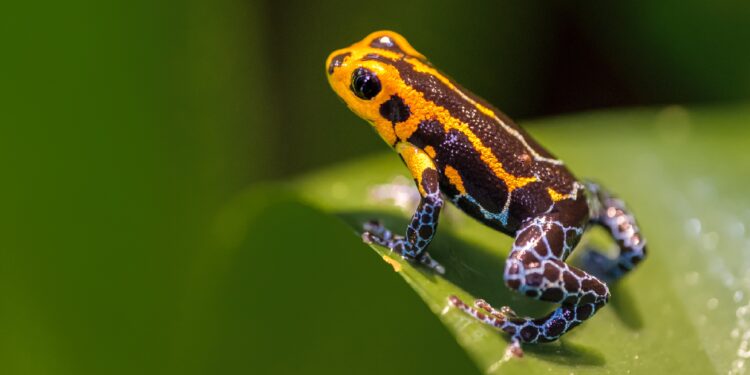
[461, 149]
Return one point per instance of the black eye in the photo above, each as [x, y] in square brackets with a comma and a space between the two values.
[365, 84]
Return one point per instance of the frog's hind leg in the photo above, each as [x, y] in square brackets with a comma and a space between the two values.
[612, 214]
[530, 330]
[535, 268]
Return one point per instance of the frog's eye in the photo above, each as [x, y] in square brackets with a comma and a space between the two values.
[365, 84]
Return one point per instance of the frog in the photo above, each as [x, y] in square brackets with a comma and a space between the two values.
[459, 148]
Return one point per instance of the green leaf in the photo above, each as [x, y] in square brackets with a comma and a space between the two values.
[290, 290]
[685, 310]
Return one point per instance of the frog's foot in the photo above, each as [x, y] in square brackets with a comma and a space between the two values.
[525, 329]
[483, 305]
[378, 234]
[432, 264]
[502, 319]
[504, 312]
[601, 266]
[487, 315]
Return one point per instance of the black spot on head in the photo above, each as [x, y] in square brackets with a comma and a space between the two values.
[336, 61]
[387, 43]
[395, 110]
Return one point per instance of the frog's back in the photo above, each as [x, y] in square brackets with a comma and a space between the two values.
[490, 167]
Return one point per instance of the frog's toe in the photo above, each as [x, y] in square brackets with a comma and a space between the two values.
[431, 263]
[379, 239]
[376, 228]
[506, 311]
[375, 232]
[479, 313]
[481, 304]
[370, 238]
[514, 349]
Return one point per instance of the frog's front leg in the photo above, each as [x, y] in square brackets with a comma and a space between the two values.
[424, 222]
[535, 267]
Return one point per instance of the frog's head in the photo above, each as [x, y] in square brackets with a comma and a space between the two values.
[369, 85]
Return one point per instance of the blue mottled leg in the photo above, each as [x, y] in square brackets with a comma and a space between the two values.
[424, 222]
[612, 214]
[530, 330]
[535, 268]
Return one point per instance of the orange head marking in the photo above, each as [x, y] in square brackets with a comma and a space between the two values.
[373, 89]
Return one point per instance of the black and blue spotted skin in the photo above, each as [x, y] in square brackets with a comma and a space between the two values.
[459, 147]
[423, 224]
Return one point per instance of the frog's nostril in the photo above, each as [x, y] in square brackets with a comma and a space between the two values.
[336, 61]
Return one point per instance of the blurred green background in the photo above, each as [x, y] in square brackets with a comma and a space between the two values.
[128, 127]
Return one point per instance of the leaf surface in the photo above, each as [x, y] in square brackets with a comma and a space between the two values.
[684, 310]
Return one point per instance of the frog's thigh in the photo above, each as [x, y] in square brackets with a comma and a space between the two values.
[535, 267]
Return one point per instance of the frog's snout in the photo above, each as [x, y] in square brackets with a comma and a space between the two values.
[335, 60]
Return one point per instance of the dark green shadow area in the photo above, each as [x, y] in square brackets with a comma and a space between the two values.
[567, 353]
[479, 273]
[295, 291]
[622, 302]
[625, 306]
[468, 266]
